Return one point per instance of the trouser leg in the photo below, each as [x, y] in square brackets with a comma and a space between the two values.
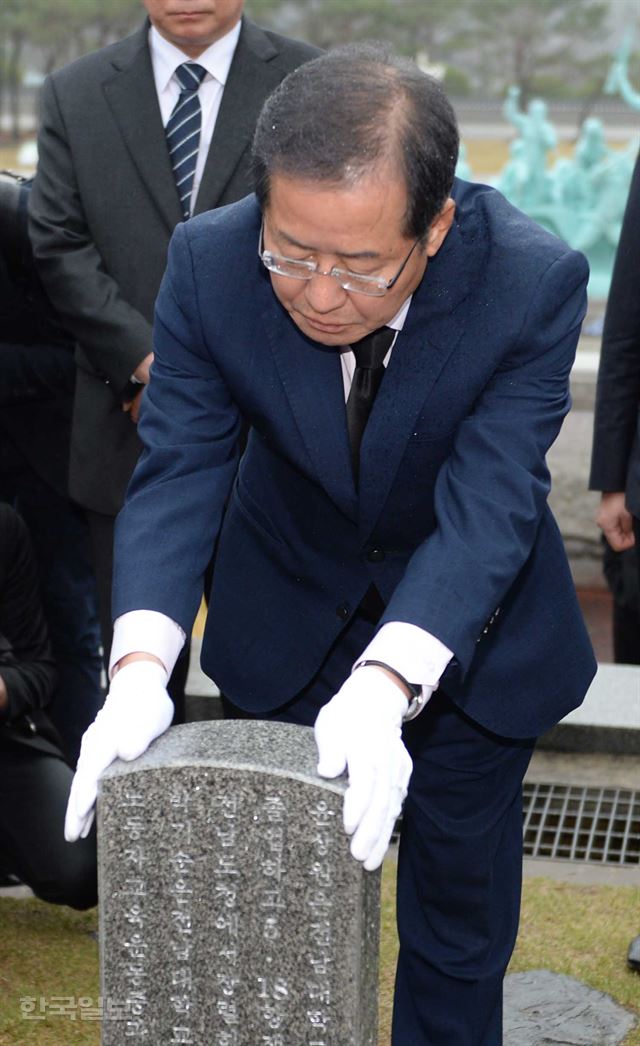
[460, 862]
[34, 788]
[101, 528]
[459, 879]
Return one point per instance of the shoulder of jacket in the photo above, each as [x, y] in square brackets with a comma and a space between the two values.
[274, 46]
[97, 64]
[482, 211]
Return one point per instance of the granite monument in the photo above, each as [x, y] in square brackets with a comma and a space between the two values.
[231, 912]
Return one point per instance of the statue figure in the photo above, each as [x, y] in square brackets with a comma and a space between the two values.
[599, 230]
[538, 137]
[582, 198]
[618, 79]
[602, 225]
[513, 178]
[591, 147]
[577, 183]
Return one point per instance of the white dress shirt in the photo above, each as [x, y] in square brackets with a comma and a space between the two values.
[419, 656]
[165, 59]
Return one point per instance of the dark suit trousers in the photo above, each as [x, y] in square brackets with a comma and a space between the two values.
[459, 867]
[34, 788]
[101, 530]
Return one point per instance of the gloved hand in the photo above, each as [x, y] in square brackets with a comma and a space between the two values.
[136, 711]
[360, 730]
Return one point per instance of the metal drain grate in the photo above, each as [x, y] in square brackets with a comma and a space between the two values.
[582, 824]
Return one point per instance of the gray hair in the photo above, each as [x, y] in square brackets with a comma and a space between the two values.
[357, 107]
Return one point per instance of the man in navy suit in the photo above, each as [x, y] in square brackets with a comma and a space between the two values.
[385, 569]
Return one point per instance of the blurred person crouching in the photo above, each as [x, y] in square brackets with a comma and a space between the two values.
[35, 777]
[37, 374]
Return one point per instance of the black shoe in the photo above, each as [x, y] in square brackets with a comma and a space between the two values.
[633, 955]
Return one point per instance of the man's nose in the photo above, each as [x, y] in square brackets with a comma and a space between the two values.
[324, 293]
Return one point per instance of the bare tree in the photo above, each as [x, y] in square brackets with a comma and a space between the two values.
[520, 43]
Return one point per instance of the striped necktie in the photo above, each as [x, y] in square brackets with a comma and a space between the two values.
[183, 131]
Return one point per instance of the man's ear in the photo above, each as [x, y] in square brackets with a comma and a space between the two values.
[440, 227]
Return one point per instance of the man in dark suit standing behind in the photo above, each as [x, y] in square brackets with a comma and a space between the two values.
[615, 460]
[106, 200]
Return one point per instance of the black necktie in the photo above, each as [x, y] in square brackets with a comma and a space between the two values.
[183, 131]
[369, 352]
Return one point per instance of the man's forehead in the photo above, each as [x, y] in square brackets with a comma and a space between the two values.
[366, 185]
[293, 241]
[358, 214]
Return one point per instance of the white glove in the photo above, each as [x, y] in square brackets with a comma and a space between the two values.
[136, 711]
[359, 730]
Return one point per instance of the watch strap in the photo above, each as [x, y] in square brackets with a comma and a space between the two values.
[417, 699]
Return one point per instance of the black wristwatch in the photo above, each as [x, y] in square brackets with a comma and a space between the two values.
[417, 699]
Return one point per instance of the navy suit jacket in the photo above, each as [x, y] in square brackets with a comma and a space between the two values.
[453, 479]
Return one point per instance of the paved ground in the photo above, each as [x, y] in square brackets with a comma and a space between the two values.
[601, 770]
[596, 606]
[593, 770]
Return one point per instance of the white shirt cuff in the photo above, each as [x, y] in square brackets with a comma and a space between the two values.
[413, 652]
[146, 632]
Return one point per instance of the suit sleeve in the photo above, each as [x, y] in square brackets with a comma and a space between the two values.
[190, 428]
[26, 664]
[492, 491]
[618, 388]
[114, 335]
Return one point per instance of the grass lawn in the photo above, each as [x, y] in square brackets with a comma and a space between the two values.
[583, 931]
[46, 951]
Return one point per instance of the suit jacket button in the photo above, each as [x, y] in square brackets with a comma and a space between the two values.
[343, 611]
[375, 555]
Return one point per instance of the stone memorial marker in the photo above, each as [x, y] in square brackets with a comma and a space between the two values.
[231, 912]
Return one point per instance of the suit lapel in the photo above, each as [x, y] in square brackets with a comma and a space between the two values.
[249, 82]
[131, 96]
[312, 379]
[432, 330]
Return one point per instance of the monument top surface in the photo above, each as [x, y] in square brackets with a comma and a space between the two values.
[234, 744]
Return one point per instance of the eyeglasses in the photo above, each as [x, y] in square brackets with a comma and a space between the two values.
[373, 286]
